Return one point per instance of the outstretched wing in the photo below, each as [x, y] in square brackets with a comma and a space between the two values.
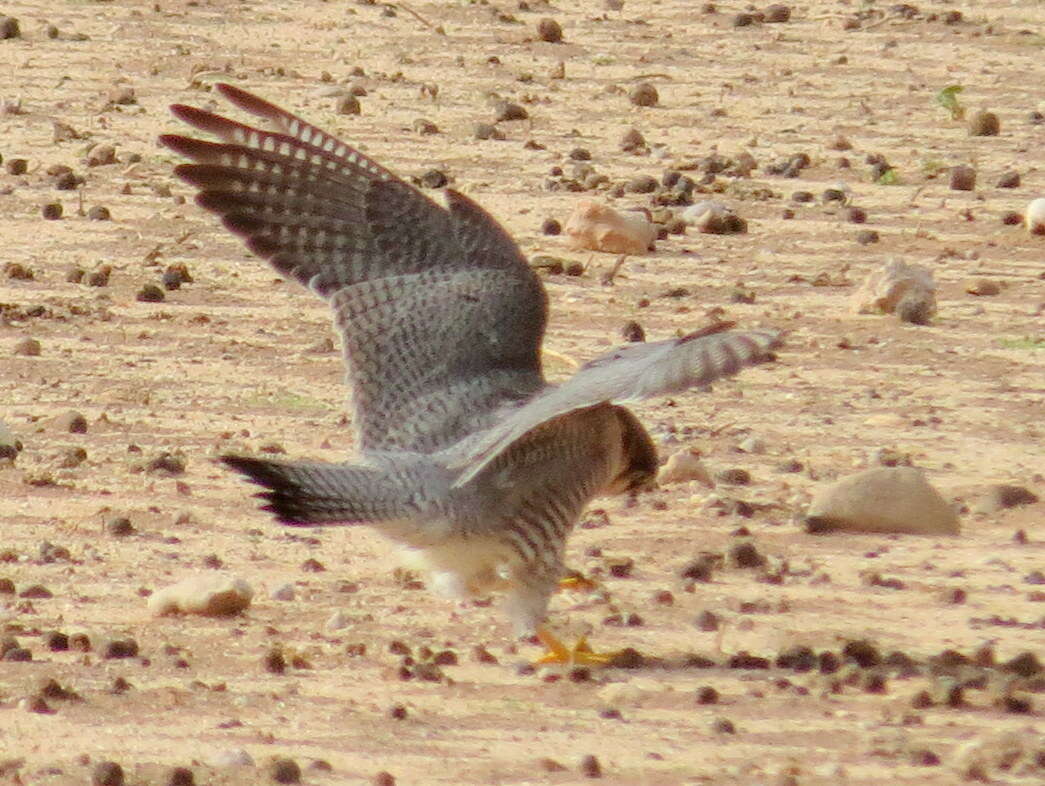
[626, 374]
[441, 317]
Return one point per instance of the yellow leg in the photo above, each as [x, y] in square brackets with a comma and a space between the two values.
[577, 582]
[581, 654]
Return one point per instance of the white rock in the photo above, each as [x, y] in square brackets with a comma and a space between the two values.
[338, 621]
[884, 499]
[893, 282]
[709, 216]
[282, 592]
[597, 227]
[231, 758]
[753, 445]
[682, 466]
[210, 594]
[1035, 217]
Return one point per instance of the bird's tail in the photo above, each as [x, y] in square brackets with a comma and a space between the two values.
[307, 493]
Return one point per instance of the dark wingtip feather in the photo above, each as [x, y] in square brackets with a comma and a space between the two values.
[282, 497]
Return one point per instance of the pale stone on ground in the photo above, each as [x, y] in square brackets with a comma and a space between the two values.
[209, 595]
[707, 216]
[601, 228]
[1035, 217]
[886, 499]
[894, 281]
[682, 466]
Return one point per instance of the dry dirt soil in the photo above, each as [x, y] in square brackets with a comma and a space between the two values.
[237, 361]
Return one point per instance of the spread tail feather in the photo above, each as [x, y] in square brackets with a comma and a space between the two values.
[304, 493]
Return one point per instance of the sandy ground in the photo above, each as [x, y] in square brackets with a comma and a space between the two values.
[230, 363]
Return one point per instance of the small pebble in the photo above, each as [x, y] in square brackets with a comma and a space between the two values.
[707, 695]
[150, 293]
[963, 178]
[383, 779]
[734, 477]
[120, 648]
[590, 767]
[37, 704]
[551, 227]
[99, 213]
[274, 661]
[9, 28]
[231, 758]
[549, 30]
[285, 771]
[283, 592]
[37, 591]
[723, 726]
[707, 621]
[119, 527]
[1009, 179]
[434, 178]
[632, 141]
[633, 332]
[28, 347]
[982, 287]
[347, 105]
[984, 123]
[644, 94]
[641, 184]
[67, 181]
[101, 155]
[99, 277]
[72, 422]
[171, 280]
[506, 111]
[181, 776]
[425, 127]
[777, 13]
[107, 773]
[745, 555]
[52, 211]
[57, 641]
[488, 131]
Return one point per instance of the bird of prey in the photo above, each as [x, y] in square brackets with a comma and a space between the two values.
[466, 455]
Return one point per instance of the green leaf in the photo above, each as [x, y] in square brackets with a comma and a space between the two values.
[888, 178]
[948, 99]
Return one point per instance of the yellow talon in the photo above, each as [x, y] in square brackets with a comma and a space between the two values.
[580, 655]
[577, 582]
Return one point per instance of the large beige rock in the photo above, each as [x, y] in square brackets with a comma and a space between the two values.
[886, 499]
[211, 595]
[597, 227]
[895, 281]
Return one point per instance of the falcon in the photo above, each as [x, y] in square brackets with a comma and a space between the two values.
[466, 455]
